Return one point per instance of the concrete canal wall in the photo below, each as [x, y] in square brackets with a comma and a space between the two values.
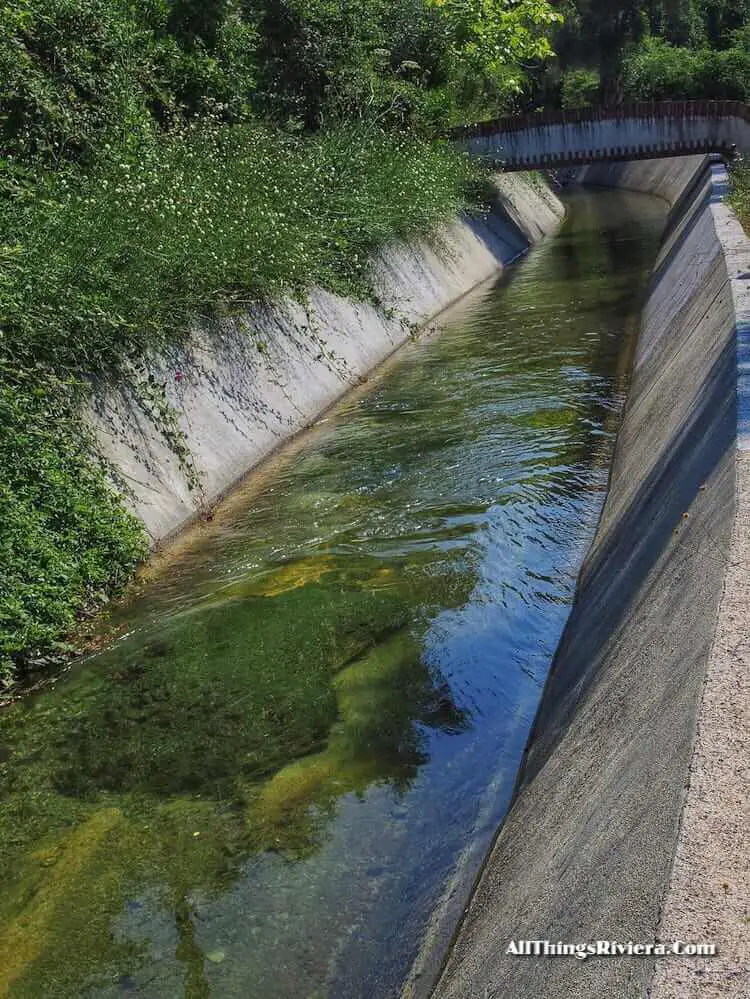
[555, 138]
[631, 807]
[237, 390]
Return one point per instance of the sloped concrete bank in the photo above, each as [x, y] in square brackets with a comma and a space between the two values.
[628, 826]
[239, 389]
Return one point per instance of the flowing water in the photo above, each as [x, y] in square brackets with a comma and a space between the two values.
[281, 780]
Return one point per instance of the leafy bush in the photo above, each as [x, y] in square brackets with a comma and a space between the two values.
[657, 70]
[66, 541]
[579, 88]
[78, 73]
[725, 74]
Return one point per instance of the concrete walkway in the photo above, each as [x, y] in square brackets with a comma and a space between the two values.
[709, 891]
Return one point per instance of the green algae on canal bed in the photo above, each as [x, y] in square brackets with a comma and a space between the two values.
[280, 781]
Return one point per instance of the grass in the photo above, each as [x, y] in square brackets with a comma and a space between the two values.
[102, 267]
[740, 196]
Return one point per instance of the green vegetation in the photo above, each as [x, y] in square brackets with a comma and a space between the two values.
[659, 71]
[152, 778]
[161, 158]
[321, 641]
[579, 88]
[658, 50]
[740, 196]
[65, 540]
[129, 251]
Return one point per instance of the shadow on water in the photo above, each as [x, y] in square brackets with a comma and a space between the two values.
[302, 743]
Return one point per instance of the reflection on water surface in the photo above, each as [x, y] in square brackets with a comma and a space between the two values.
[280, 782]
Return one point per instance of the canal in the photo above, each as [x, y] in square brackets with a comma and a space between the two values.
[281, 777]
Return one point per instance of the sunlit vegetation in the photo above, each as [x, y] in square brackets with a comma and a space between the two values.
[165, 158]
[259, 757]
[740, 196]
[658, 50]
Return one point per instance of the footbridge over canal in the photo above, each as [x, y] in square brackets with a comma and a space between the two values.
[549, 139]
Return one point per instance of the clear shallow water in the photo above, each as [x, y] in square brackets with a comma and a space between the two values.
[280, 782]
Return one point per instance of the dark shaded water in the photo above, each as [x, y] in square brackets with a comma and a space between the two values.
[280, 782]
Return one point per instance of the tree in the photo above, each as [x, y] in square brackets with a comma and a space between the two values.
[611, 25]
[497, 36]
[579, 88]
[493, 43]
[722, 18]
[434, 62]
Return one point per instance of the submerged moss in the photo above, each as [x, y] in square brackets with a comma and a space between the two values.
[371, 741]
[47, 891]
[234, 733]
[260, 767]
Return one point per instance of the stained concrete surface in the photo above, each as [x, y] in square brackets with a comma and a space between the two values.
[708, 898]
[634, 135]
[588, 849]
[241, 387]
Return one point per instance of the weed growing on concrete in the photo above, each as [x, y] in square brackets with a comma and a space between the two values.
[102, 267]
[740, 197]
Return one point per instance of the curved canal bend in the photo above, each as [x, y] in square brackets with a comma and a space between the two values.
[282, 779]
